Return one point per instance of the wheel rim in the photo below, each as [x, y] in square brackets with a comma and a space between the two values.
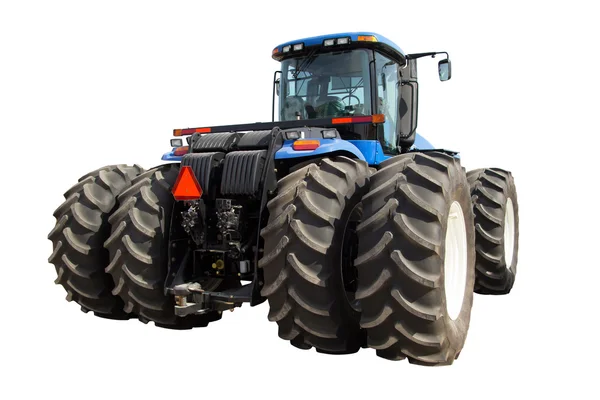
[509, 233]
[455, 261]
[349, 254]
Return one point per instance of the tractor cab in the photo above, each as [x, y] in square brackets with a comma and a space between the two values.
[362, 81]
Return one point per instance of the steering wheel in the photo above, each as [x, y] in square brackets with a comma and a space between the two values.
[350, 96]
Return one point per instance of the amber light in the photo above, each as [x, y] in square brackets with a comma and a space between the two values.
[186, 186]
[378, 118]
[189, 131]
[181, 150]
[367, 38]
[306, 145]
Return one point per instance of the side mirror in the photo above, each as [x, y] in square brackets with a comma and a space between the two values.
[445, 70]
[277, 88]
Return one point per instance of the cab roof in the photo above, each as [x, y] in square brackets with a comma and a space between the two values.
[356, 39]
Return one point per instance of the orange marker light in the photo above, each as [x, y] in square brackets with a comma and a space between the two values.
[181, 150]
[187, 186]
[306, 145]
[378, 118]
[367, 39]
[189, 131]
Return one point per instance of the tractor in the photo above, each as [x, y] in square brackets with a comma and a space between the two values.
[357, 231]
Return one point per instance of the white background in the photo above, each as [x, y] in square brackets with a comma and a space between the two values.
[85, 84]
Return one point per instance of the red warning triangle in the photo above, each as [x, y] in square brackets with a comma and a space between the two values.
[187, 186]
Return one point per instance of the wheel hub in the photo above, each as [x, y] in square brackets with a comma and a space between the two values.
[455, 260]
[509, 233]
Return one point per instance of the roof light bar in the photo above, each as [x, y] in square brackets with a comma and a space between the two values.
[337, 41]
[190, 131]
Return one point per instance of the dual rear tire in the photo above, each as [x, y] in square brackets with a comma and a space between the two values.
[308, 251]
[497, 228]
[413, 264]
[416, 262]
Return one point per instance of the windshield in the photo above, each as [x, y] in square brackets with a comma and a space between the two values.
[325, 85]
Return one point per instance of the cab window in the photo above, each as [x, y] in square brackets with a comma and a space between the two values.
[386, 72]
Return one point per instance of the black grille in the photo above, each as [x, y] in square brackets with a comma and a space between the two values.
[203, 165]
[254, 140]
[242, 171]
[214, 141]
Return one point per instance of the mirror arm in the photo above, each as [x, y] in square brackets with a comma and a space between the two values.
[431, 54]
[275, 80]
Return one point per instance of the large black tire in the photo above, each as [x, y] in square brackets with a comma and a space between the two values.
[138, 248]
[401, 263]
[81, 229]
[494, 196]
[302, 260]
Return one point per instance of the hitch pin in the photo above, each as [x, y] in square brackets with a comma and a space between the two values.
[181, 301]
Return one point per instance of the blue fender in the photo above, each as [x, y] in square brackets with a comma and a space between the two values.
[327, 146]
[170, 156]
[421, 143]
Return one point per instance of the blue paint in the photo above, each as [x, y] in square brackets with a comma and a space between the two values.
[169, 156]
[327, 146]
[371, 150]
[421, 143]
[318, 41]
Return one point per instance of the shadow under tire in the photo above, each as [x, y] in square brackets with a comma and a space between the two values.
[416, 259]
[496, 209]
[302, 262]
[81, 228]
[138, 247]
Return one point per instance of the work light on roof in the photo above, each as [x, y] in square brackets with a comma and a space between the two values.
[286, 49]
[336, 41]
[298, 47]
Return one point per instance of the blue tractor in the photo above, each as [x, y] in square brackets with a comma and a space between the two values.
[355, 229]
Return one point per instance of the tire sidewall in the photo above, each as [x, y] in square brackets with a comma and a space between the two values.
[336, 252]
